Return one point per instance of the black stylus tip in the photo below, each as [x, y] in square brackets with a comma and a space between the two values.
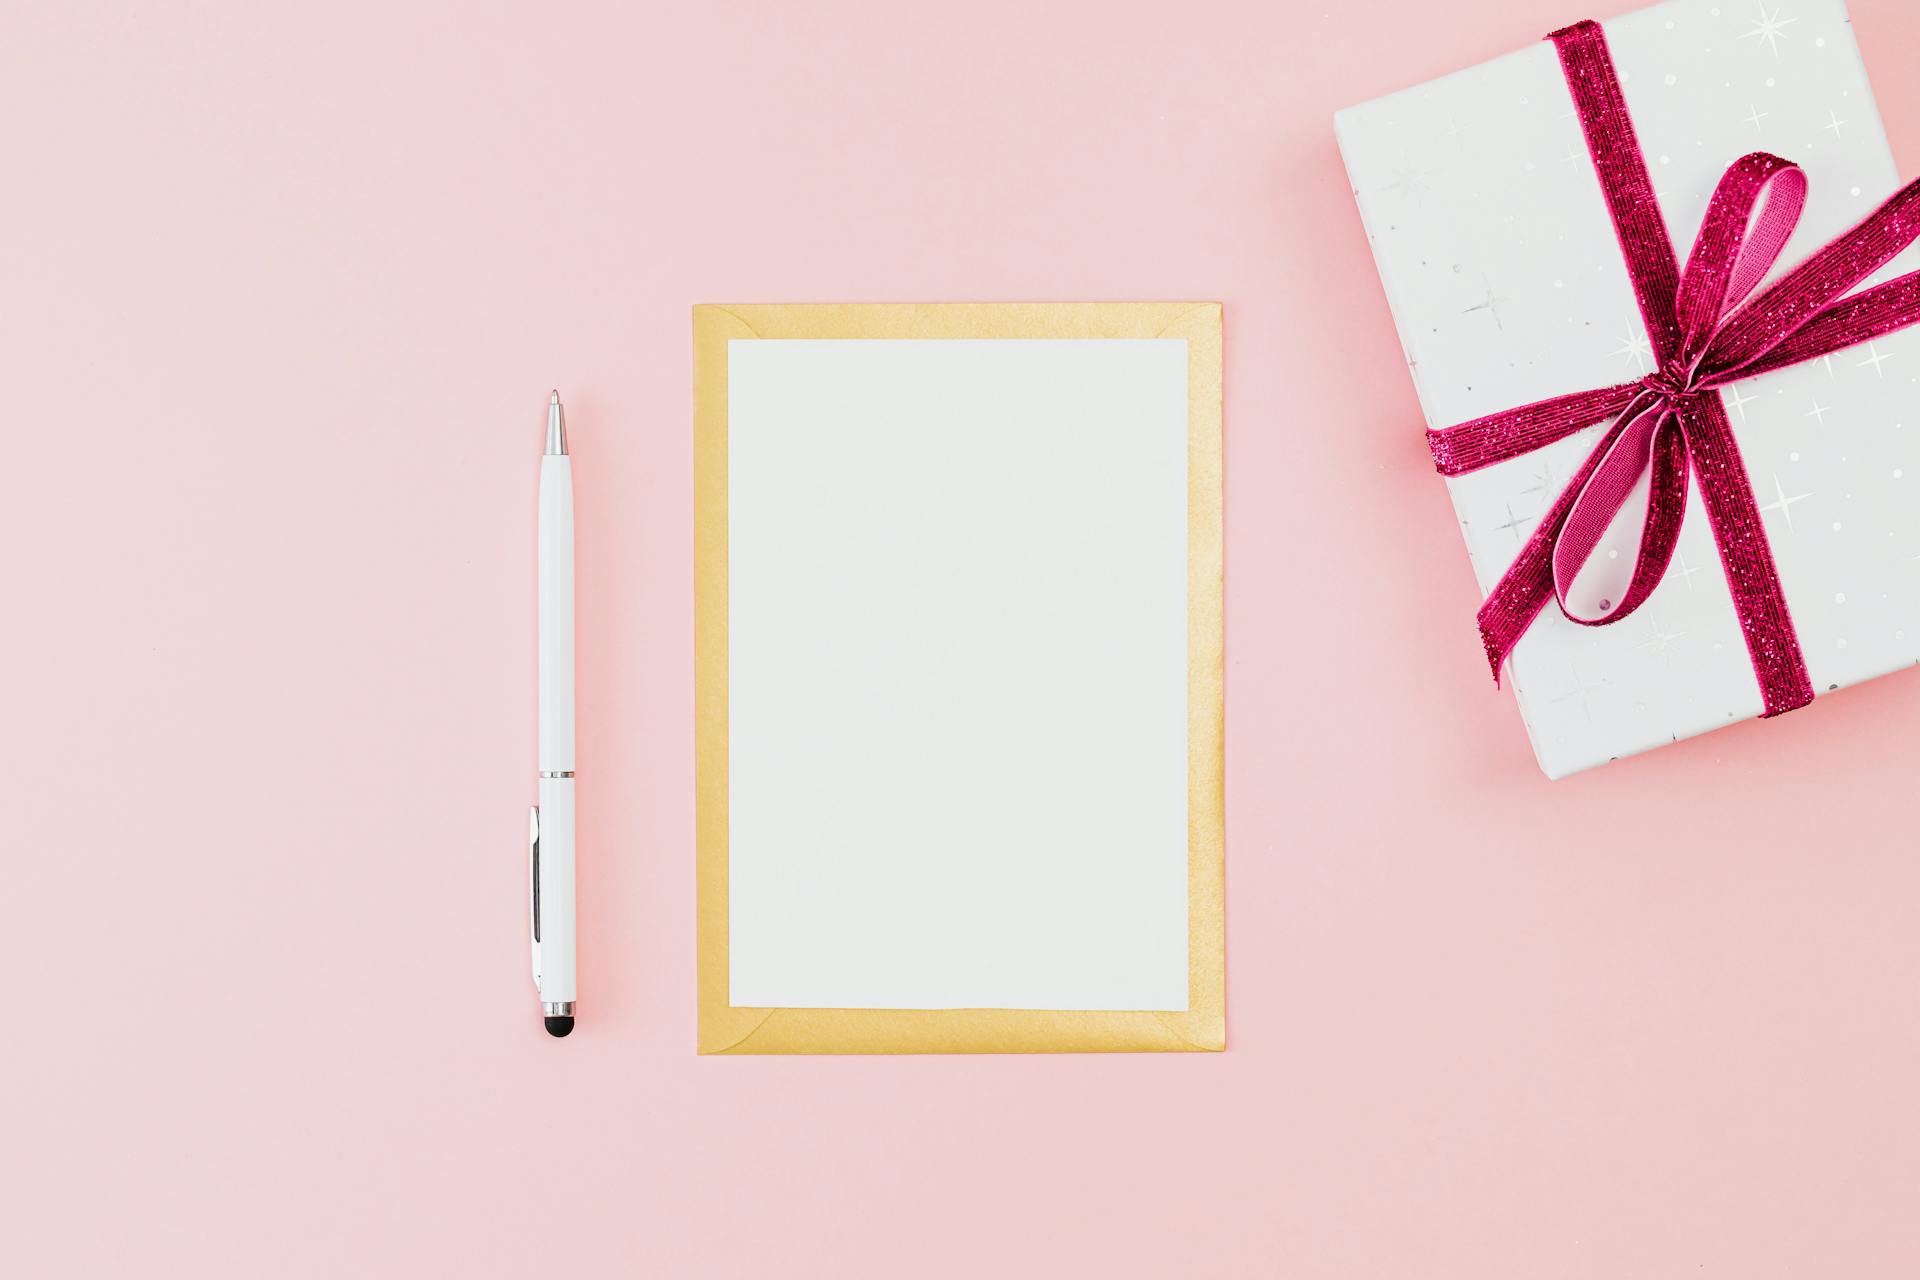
[560, 1026]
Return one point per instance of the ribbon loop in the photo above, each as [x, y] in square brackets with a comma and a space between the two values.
[1645, 466]
[1748, 221]
[1799, 297]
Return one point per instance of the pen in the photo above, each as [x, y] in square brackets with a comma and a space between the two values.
[550, 854]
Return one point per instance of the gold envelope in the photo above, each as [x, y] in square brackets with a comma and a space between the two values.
[726, 1028]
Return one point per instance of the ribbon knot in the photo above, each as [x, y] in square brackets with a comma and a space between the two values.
[1673, 386]
[1709, 325]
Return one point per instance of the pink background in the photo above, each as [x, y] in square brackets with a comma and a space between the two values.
[285, 287]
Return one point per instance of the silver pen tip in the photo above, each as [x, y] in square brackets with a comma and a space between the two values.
[556, 426]
[556, 397]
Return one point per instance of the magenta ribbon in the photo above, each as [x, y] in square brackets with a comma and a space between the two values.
[1707, 328]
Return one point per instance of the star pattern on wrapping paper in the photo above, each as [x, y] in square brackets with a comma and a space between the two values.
[1489, 303]
[1739, 402]
[1782, 503]
[1515, 524]
[1686, 570]
[1582, 692]
[1410, 182]
[1660, 642]
[1874, 358]
[1767, 28]
[1634, 346]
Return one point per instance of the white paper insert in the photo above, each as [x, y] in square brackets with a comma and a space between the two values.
[957, 687]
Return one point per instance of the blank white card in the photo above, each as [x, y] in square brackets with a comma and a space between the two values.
[957, 684]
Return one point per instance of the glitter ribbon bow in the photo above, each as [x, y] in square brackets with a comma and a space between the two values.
[1707, 328]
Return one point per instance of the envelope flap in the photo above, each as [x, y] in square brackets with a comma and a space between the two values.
[908, 1031]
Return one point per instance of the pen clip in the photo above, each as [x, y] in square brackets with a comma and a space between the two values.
[533, 887]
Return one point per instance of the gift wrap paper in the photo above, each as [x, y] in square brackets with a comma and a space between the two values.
[1507, 286]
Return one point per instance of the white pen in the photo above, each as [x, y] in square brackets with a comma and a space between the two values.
[551, 836]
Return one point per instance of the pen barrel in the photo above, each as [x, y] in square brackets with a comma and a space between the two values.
[556, 890]
[556, 614]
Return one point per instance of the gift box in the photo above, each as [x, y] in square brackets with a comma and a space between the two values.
[1520, 267]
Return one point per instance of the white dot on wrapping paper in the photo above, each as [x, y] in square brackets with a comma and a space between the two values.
[1841, 643]
[1897, 473]
[1794, 456]
[1836, 526]
[1769, 82]
[1819, 42]
[1855, 191]
[1839, 597]
[1666, 159]
[1672, 79]
[1613, 553]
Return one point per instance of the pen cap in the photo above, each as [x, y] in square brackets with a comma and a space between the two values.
[556, 614]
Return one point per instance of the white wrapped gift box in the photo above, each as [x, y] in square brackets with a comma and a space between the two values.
[1507, 286]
